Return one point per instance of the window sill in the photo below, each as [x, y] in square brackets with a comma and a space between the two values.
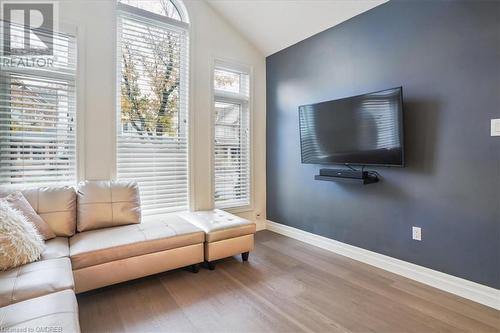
[241, 209]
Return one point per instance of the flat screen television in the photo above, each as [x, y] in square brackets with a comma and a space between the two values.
[359, 130]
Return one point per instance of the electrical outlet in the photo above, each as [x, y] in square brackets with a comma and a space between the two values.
[416, 233]
[495, 127]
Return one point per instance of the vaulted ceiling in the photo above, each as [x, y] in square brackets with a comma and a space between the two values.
[272, 25]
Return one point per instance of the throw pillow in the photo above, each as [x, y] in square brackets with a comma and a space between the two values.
[20, 242]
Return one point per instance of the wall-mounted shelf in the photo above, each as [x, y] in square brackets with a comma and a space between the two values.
[370, 179]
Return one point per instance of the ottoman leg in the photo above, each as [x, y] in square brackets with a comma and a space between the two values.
[244, 256]
[211, 265]
[195, 268]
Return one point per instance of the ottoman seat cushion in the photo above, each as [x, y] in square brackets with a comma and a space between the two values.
[219, 225]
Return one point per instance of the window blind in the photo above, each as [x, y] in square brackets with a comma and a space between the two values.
[152, 146]
[232, 138]
[38, 117]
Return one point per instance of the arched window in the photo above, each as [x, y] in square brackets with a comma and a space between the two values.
[152, 119]
[169, 8]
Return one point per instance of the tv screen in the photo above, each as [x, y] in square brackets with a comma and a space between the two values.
[359, 130]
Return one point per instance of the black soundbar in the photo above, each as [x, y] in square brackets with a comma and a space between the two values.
[343, 173]
[347, 175]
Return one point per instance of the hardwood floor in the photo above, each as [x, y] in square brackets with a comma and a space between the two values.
[286, 286]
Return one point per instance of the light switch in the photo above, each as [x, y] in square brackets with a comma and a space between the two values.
[495, 127]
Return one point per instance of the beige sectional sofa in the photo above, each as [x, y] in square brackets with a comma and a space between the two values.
[101, 241]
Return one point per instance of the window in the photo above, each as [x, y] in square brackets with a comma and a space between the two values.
[168, 8]
[38, 117]
[231, 137]
[152, 146]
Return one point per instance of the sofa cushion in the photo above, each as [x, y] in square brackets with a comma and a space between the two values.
[56, 248]
[153, 235]
[35, 279]
[56, 205]
[19, 202]
[107, 204]
[219, 225]
[58, 311]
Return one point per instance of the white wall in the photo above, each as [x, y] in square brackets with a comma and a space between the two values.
[211, 37]
[95, 22]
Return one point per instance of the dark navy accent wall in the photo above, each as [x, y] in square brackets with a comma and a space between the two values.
[446, 56]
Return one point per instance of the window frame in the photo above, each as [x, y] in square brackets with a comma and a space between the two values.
[228, 97]
[184, 25]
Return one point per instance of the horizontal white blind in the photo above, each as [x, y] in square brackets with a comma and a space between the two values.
[152, 146]
[38, 117]
[232, 139]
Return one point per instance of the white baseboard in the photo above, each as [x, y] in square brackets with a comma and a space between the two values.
[473, 291]
[261, 225]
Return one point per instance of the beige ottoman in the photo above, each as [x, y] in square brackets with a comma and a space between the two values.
[225, 234]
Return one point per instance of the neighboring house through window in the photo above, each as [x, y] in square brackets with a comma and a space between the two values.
[232, 172]
[38, 141]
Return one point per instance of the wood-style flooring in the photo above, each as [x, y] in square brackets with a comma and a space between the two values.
[287, 286]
